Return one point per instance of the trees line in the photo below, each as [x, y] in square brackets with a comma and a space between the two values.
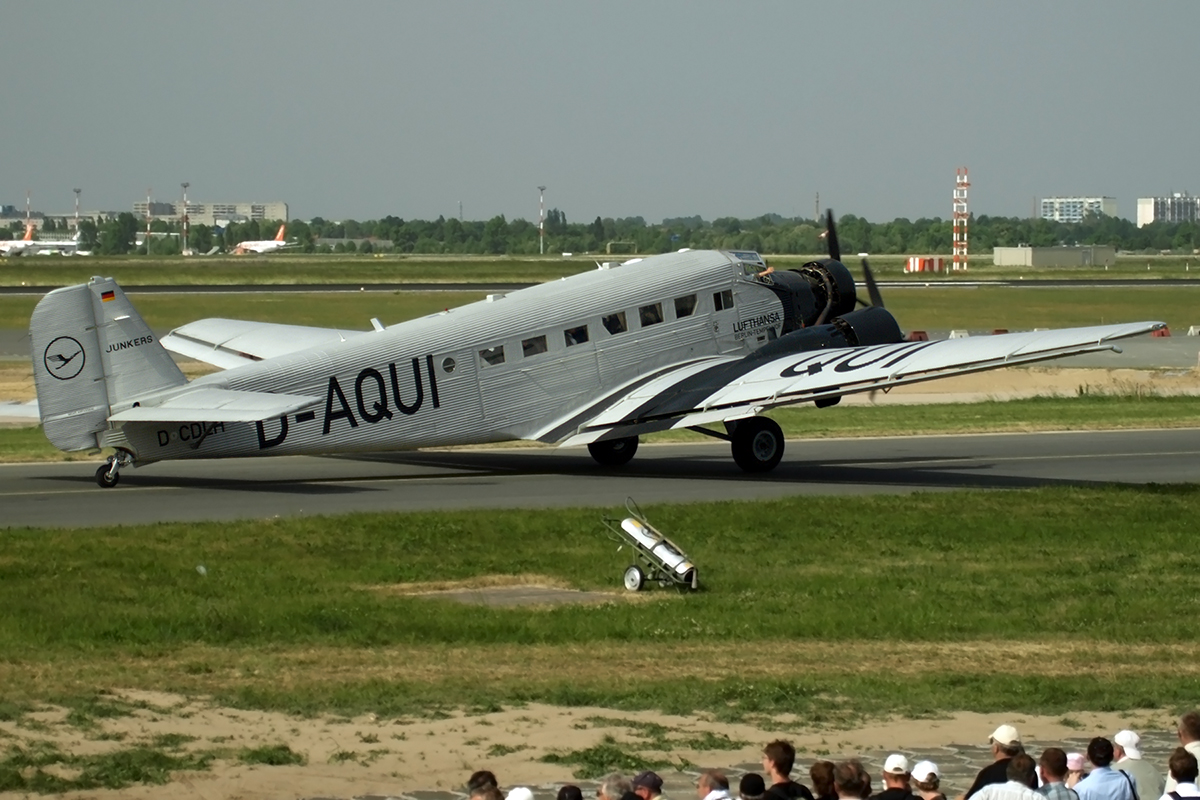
[769, 233]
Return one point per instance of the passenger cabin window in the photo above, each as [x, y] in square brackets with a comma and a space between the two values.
[650, 315]
[685, 306]
[723, 300]
[531, 347]
[576, 335]
[615, 323]
[492, 355]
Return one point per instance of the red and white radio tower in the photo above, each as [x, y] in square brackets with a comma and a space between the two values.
[960, 216]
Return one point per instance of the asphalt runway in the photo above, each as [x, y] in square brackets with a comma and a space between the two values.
[66, 495]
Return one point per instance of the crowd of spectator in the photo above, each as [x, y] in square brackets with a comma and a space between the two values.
[1110, 770]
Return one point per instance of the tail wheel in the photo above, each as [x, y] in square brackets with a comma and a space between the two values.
[107, 477]
[757, 444]
[635, 579]
[614, 452]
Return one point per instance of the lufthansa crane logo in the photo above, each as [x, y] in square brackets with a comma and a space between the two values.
[64, 358]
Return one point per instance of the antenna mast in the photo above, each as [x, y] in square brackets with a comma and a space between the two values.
[960, 216]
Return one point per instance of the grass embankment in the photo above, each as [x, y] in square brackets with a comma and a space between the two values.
[933, 308]
[1086, 412]
[291, 268]
[1041, 600]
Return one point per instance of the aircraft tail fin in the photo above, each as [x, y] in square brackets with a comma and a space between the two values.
[282, 229]
[29, 233]
[92, 350]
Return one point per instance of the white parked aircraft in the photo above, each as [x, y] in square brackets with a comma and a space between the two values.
[30, 246]
[264, 246]
[705, 340]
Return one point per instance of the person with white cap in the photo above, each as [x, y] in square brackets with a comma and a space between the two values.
[1189, 737]
[1128, 759]
[519, 793]
[895, 779]
[1006, 743]
[927, 781]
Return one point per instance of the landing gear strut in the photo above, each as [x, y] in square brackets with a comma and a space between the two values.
[614, 452]
[757, 444]
[109, 473]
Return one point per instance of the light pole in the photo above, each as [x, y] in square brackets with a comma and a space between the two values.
[77, 191]
[542, 220]
[185, 247]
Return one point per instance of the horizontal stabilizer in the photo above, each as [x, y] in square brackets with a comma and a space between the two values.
[229, 343]
[217, 405]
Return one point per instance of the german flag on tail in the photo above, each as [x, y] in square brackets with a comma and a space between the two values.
[106, 296]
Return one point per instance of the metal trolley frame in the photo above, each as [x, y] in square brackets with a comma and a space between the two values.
[652, 554]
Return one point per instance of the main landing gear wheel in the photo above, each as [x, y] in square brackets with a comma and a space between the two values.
[614, 452]
[635, 579]
[757, 444]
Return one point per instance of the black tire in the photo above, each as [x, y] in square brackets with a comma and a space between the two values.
[634, 579]
[103, 478]
[614, 452]
[757, 444]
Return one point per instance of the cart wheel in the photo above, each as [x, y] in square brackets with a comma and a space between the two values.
[635, 579]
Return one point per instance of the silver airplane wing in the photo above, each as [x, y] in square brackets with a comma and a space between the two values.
[229, 343]
[216, 405]
[723, 389]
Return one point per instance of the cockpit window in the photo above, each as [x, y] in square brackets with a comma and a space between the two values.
[615, 323]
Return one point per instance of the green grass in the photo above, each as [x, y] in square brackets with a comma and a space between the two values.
[317, 269]
[275, 755]
[882, 604]
[917, 308]
[23, 769]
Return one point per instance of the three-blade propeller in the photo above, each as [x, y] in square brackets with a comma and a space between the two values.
[835, 252]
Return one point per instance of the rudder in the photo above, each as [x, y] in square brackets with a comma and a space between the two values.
[91, 350]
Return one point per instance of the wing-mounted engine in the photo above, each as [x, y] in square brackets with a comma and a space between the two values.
[819, 300]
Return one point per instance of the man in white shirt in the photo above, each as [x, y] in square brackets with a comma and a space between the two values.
[1189, 737]
[1022, 778]
[1183, 771]
[1146, 779]
[713, 785]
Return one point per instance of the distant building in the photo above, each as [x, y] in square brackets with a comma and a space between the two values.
[214, 213]
[1074, 209]
[1089, 255]
[1179, 207]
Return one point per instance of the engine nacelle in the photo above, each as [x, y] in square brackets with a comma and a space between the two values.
[819, 290]
[866, 326]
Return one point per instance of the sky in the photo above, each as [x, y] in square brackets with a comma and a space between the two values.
[620, 108]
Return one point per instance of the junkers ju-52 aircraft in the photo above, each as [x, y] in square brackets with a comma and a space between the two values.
[704, 340]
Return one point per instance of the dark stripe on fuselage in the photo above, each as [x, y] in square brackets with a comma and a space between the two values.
[562, 431]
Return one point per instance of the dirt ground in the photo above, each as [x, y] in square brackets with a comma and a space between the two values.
[368, 756]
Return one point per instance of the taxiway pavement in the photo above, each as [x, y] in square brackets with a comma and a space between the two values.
[66, 495]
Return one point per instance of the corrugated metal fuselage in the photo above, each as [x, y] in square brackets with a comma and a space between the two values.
[495, 370]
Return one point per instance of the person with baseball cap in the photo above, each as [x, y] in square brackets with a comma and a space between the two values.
[895, 779]
[1006, 743]
[927, 781]
[1127, 757]
[647, 785]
